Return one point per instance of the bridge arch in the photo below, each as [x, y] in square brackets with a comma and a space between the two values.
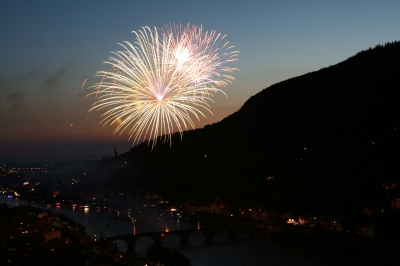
[171, 240]
[121, 244]
[197, 238]
[138, 243]
[142, 243]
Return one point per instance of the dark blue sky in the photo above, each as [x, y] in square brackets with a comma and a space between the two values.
[49, 47]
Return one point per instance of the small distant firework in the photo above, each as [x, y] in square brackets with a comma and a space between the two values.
[156, 85]
[71, 125]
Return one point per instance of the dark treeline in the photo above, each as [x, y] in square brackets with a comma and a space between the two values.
[326, 138]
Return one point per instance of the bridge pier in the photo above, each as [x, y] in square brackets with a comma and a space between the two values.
[209, 237]
[131, 245]
[158, 240]
[233, 235]
[184, 239]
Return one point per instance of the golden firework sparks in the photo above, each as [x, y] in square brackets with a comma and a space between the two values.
[158, 84]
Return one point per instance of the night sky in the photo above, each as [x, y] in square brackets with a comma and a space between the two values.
[48, 48]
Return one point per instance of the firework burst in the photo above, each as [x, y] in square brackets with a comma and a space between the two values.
[158, 84]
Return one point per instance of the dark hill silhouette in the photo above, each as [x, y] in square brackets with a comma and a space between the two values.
[325, 137]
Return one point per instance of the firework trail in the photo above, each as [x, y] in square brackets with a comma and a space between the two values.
[163, 80]
[84, 83]
[98, 89]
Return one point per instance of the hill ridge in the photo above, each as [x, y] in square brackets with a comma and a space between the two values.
[332, 128]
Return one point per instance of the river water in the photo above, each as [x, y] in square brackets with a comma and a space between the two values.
[249, 252]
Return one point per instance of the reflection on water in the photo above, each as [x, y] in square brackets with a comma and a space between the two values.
[97, 222]
[251, 252]
[16, 201]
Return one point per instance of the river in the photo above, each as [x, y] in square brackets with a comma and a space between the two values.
[249, 252]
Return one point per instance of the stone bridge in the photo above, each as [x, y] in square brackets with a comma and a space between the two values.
[184, 235]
